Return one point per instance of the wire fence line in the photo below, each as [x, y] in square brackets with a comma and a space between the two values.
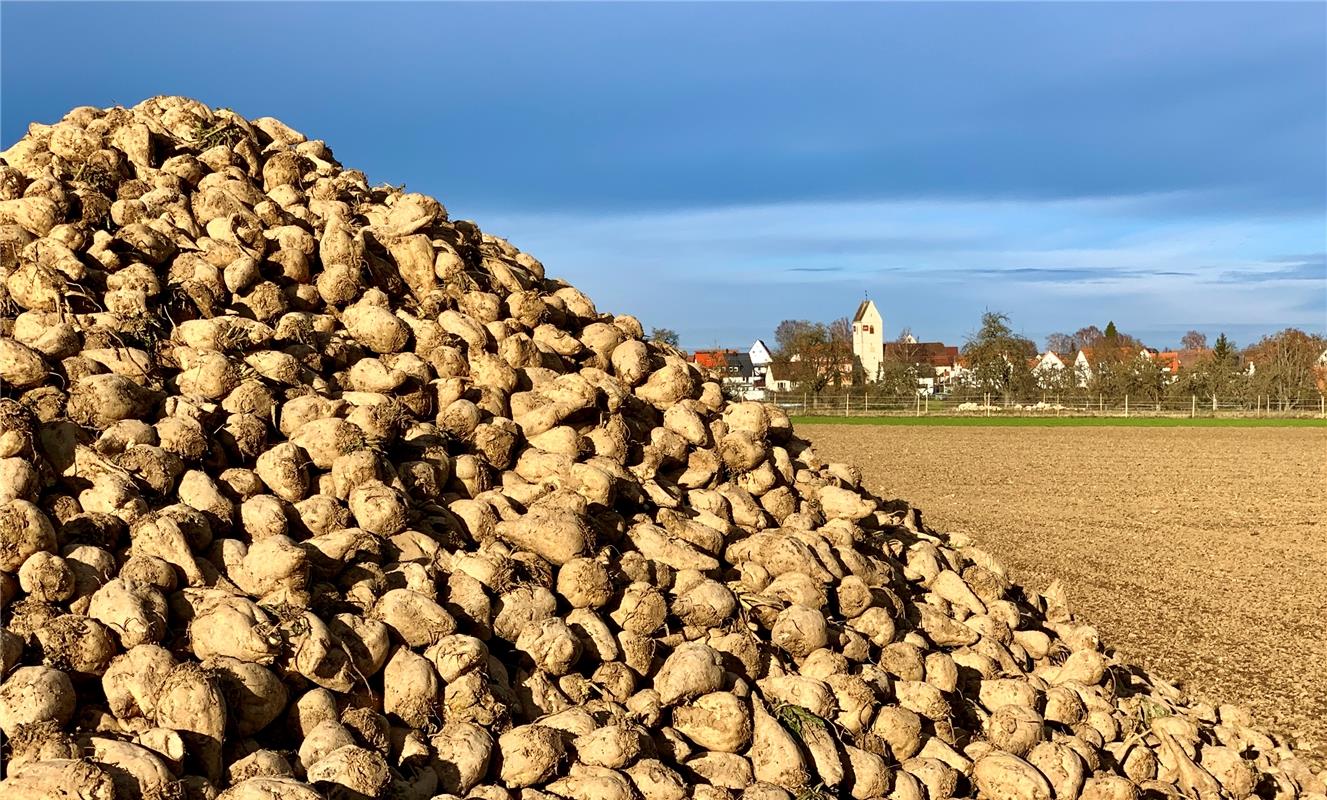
[863, 403]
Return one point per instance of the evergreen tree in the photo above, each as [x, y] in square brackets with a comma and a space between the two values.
[1111, 332]
[1223, 352]
[1214, 376]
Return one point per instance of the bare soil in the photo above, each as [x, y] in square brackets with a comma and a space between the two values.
[1200, 553]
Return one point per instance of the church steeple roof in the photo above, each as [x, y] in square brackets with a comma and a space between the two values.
[861, 310]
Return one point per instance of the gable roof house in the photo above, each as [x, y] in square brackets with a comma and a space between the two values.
[709, 361]
[778, 377]
[936, 354]
[760, 358]
[944, 360]
[729, 366]
[1172, 361]
[760, 354]
[1052, 360]
[740, 367]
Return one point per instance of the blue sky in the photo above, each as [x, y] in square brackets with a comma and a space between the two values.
[715, 168]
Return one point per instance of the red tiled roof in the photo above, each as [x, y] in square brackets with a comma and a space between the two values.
[711, 359]
[937, 354]
[1167, 359]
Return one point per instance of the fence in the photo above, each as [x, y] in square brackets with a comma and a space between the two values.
[843, 403]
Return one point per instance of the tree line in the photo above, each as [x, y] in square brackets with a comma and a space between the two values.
[1283, 366]
[999, 361]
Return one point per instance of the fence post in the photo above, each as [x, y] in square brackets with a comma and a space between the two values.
[847, 396]
[927, 410]
[1193, 406]
[917, 411]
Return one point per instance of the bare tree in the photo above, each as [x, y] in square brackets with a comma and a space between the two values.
[1061, 343]
[666, 336]
[814, 354]
[905, 347]
[1119, 368]
[838, 353]
[1284, 365]
[1088, 337]
[1194, 340]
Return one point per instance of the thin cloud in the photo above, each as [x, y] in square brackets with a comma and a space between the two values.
[1311, 267]
[1053, 264]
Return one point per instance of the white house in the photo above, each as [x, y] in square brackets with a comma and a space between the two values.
[1083, 362]
[776, 382]
[1083, 366]
[761, 358]
[1051, 360]
[760, 354]
[868, 338]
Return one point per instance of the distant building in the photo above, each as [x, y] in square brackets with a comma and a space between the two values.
[1051, 360]
[761, 358]
[934, 354]
[760, 354]
[709, 361]
[868, 339]
[777, 378]
[1172, 361]
[870, 351]
[733, 368]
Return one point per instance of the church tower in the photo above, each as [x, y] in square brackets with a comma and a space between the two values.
[868, 339]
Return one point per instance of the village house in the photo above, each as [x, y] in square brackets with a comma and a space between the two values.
[725, 364]
[1081, 362]
[778, 378]
[735, 369]
[1051, 362]
[761, 359]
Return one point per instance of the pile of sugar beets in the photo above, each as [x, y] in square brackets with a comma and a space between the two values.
[309, 491]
